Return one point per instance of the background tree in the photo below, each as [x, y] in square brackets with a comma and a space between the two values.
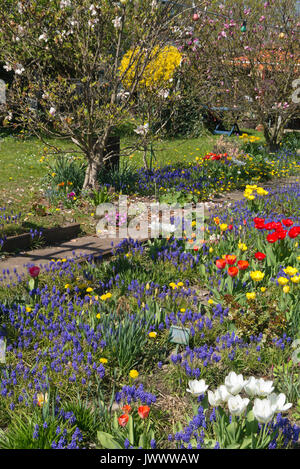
[246, 58]
[66, 56]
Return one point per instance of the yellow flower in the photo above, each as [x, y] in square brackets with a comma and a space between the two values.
[180, 284]
[223, 227]
[211, 250]
[103, 360]
[286, 289]
[53, 174]
[182, 310]
[295, 279]
[89, 289]
[67, 285]
[263, 289]
[282, 280]
[210, 301]
[242, 247]
[28, 309]
[257, 275]
[291, 271]
[152, 334]
[251, 296]
[98, 316]
[133, 374]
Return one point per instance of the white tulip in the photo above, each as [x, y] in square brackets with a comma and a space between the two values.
[223, 393]
[262, 410]
[218, 397]
[237, 405]
[263, 388]
[214, 398]
[197, 387]
[234, 383]
[277, 402]
[250, 386]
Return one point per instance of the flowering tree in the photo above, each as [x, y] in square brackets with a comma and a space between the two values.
[247, 58]
[66, 58]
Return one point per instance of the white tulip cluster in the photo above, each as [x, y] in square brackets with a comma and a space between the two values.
[228, 393]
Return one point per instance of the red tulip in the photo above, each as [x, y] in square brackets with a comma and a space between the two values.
[143, 411]
[230, 227]
[243, 265]
[272, 237]
[260, 256]
[34, 271]
[127, 409]
[233, 271]
[287, 222]
[123, 420]
[221, 263]
[258, 220]
[281, 234]
[259, 223]
[294, 232]
[230, 259]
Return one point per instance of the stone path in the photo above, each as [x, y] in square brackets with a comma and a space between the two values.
[79, 247]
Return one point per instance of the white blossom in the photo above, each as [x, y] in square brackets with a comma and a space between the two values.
[117, 22]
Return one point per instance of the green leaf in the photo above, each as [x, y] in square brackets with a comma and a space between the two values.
[247, 442]
[107, 441]
[131, 430]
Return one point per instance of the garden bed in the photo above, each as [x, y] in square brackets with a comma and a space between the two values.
[49, 236]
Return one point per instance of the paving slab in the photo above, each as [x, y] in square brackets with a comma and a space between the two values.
[78, 247]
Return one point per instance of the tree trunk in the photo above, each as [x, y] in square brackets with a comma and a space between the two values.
[96, 162]
[91, 175]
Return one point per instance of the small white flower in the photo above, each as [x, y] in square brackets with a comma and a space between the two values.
[7, 67]
[65, 3]
[237, 405]
[52, 111]
[142, 129]
[277, 402]
[197, 387]
[43, 37]
[262, 410]
[19, 69]
[234, 383]
[117, 22]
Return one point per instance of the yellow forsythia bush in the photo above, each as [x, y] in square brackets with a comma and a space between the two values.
[159, 70]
